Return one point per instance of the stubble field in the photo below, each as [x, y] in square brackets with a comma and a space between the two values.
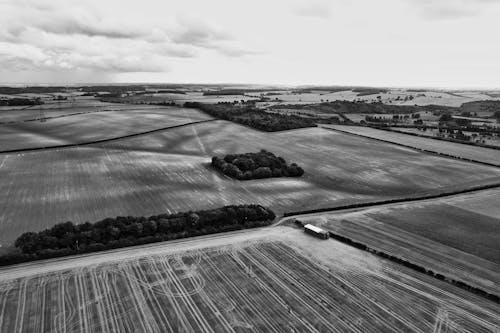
[451, 148]
[169, 171]
[455, 236]
[92, 126]
[283, 281]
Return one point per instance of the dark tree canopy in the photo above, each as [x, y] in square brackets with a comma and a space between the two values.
[69, 238]
[248, 166]
[250, 116]
[20, 101]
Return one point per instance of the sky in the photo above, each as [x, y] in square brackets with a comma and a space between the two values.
[390, 43]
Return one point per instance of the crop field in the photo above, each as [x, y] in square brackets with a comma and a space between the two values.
[169, 171]
[80, 104]
[424, 115]
[275, 283]
[433, 132]
[50, 104]
[439, 146]
[11, 114]
[89, 127]
[421, 98]
[188, 97]
[453, 236]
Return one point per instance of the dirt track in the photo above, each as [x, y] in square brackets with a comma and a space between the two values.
[268, 280]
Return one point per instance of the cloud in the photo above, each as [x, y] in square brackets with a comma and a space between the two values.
[192, 31]
[32, 58]
[70, 35]
[452, 9]
[314, 9]
[97, 29]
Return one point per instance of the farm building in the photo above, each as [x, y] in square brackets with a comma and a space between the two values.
[315, 231]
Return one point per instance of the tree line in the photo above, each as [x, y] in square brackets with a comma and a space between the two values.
[259, 165]
[68, 238]
[249, 115]
[20, 101]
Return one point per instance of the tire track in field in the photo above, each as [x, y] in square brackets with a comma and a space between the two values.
[258, 286]
[221, 189]
[361, 301]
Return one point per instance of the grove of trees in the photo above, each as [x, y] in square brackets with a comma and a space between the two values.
[259, 165]
[249, 115]
[20, 101]
[68, 238]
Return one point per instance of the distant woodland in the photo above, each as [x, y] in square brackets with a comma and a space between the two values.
[20, 102]
[250, 116]
[363, 107]
[259, 165]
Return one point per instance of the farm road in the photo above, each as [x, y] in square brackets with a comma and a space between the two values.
[71, 262]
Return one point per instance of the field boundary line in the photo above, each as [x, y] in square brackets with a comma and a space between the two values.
[73, 145]
[415, 148]
[391, 201]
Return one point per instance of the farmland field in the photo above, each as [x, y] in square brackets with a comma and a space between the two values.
[433, 132]
[420, 98]
[24, 114]
[188, 97]
[16, 113]
[169, 171]
[89, 127]
[456, 149]
[456, 236]
[424, 115]
[268, 280]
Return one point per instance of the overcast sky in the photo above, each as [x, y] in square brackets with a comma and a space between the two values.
[440, 43]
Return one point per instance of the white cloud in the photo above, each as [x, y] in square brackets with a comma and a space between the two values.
[364, 42]
[314, 9]
[452, 9]
[64, 35]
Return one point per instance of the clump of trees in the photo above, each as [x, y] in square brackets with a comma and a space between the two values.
[445, 117]
[249, 115]
[20, 101]
[259, 165]
[69, 238]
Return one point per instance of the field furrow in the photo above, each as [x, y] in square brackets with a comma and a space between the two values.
[286, 281]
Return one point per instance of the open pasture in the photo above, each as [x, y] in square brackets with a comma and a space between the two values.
[169, 171]
[88, 127]
[455, 236]
[285, 282]
[439, 146]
